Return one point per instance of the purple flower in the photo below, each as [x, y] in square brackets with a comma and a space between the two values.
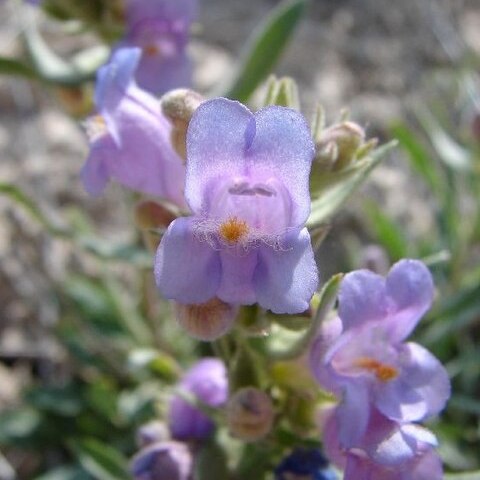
[387, 450]
[129, 137]
[425, 466]
[247, 186]
[207, 381]
[160, 28]
[162, 461]
[361, 356]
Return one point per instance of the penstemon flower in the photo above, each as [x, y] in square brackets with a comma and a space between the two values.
[387, 451]
[207, 381]
[247, 186]
[129, 137]
[162, 461]
[160, 28]
[361, 356]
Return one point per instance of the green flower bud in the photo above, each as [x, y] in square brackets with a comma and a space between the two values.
[339, 144]
[250, 414]
[178, 106]
[206, 321]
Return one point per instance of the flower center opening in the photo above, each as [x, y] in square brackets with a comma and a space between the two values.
[382, 371]
[151, 50]
[233, 230]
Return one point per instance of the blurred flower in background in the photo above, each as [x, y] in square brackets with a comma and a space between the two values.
[160, 28]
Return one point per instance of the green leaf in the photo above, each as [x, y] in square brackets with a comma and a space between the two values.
[17, 425]
[329, 190]
[265, 48]
[449, 151]
[326, 301]
[52, 68]
[20, 198]
[65, 473]
[418, 156]
[12, 66]
[65, 401]
[210, 463]
[388, 234]
[463, 476]
[100, 460]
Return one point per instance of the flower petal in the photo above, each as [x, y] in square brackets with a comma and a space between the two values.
[216, 142]
[362, 298]
[353, 415]
[167, 10]
[94, 173]
[158, 75]
[115, 76]
[286, 279]
[283, 148]
[186, 269]
[410, 287]
[421, 391]
[236, 285]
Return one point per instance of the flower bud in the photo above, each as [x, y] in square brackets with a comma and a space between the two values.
[339, 144]
[162, 461]
[250, 414]
[206, 321]
[151, 216]
[152, 432]
[207, 381]
[178, 106]
[305, 464]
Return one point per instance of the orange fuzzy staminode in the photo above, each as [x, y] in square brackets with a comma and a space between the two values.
[233, 230]
[383, 372]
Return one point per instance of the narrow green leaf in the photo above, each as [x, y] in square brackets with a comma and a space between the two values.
[463, 476]
[265, 48]
[65, 473]
[20, 198]
[449, 151]
[326, 302]
[102, 461]
[330, 190]
[54, 69]
[12, 66]
[388, 234]
[418, 156]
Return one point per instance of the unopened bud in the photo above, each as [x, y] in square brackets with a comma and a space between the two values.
[151, 217]
[152, 432]
[339, 144]
[162, 461]
[206, 321]
[250, 414]
[178, 106]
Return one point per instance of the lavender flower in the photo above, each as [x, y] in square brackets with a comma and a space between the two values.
[162, 461]
[387, 451]
[129, 137]
[206, 380]
[425, 466]
[160, 28]
[361, 356]
[247, 186]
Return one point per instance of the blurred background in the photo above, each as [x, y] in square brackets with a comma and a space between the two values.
[77, 367]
